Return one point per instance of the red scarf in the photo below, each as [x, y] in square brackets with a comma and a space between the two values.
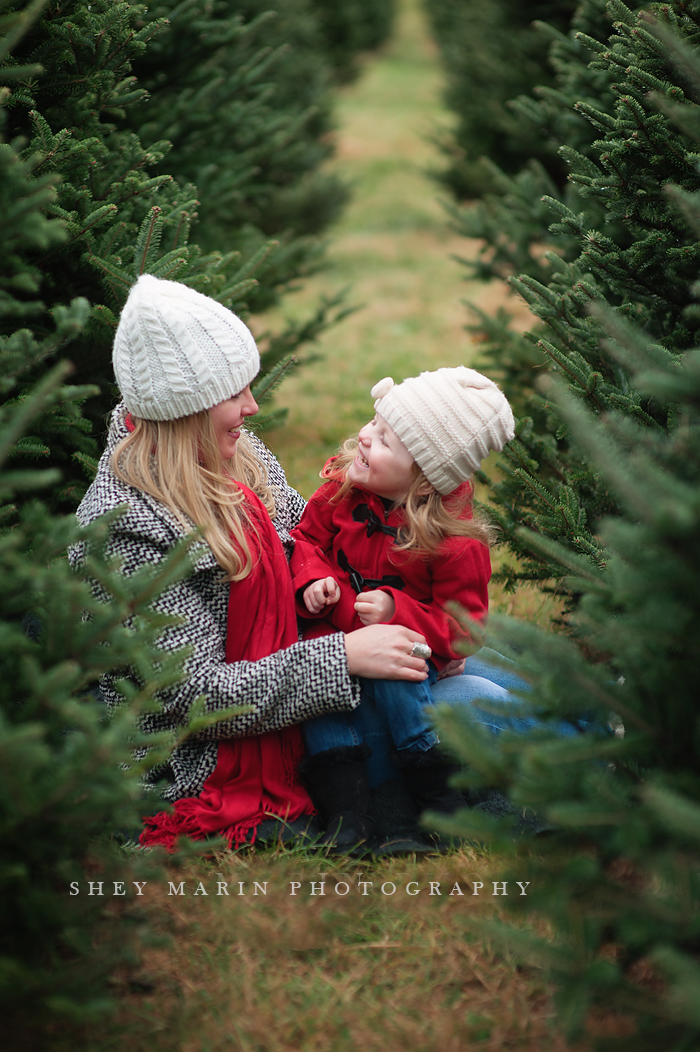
[255, 777]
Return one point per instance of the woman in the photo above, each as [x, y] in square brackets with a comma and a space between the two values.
[177, 456]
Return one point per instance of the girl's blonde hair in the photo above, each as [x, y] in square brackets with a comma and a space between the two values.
[430, 517]
[179, 463]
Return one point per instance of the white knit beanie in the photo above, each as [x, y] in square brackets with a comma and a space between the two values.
[449, 421]
[178, 352]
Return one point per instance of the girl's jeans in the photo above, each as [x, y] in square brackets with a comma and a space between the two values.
[392, 712]
[398, 706]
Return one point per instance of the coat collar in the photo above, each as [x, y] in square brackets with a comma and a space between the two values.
[378, 506]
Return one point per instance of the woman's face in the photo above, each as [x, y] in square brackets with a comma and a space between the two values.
[383, 465]
[227, 418]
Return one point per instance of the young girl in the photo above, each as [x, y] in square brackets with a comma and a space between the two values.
[390, 538]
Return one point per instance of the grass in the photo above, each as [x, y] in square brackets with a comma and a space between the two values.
[270, 972]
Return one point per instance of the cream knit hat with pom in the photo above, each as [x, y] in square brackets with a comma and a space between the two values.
[178, 352]
[449, 421]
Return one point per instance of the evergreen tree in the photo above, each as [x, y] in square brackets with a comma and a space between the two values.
[350, 28]
[122, 213]
[61, 786]
[618, 876]
[492, 53]
[619, 240]
[242, 93]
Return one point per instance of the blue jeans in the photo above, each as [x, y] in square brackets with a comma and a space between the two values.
[399, 705]
[370, 721]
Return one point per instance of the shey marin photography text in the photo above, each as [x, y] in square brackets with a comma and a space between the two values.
[303, 889]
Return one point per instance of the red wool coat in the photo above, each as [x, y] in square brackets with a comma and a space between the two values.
[353, 540]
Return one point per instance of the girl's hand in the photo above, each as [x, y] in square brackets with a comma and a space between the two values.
[375, 608]
[384, 652]
[453, 668]
[321, 593]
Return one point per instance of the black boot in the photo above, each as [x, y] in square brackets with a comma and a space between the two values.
[337, 782]
[427, 775]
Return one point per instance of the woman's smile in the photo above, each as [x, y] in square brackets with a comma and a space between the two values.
[227, 418]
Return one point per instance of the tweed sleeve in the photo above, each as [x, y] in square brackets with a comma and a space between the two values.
[305, 680]
[286, 687]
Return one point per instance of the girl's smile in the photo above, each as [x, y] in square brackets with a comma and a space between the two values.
[382, 464]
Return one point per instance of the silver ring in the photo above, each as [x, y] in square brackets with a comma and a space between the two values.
[421, 650]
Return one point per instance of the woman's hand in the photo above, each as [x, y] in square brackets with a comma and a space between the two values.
[321, 593]
[384, 652]
[375, 608]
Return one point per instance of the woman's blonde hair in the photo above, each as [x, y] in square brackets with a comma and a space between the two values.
[179, 463]
[430, 517]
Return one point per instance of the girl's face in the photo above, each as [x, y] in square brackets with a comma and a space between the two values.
[383, 465]
[227, 418]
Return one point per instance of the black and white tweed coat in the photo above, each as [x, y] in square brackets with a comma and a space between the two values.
[307, 679]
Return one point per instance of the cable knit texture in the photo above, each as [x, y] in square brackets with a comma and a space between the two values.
[449, 420]
[178, 352]
[306, 680]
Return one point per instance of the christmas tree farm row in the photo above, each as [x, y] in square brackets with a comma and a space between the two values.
[599, 496]
[185, 140]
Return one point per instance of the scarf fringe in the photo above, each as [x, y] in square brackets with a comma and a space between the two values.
[166, 827]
